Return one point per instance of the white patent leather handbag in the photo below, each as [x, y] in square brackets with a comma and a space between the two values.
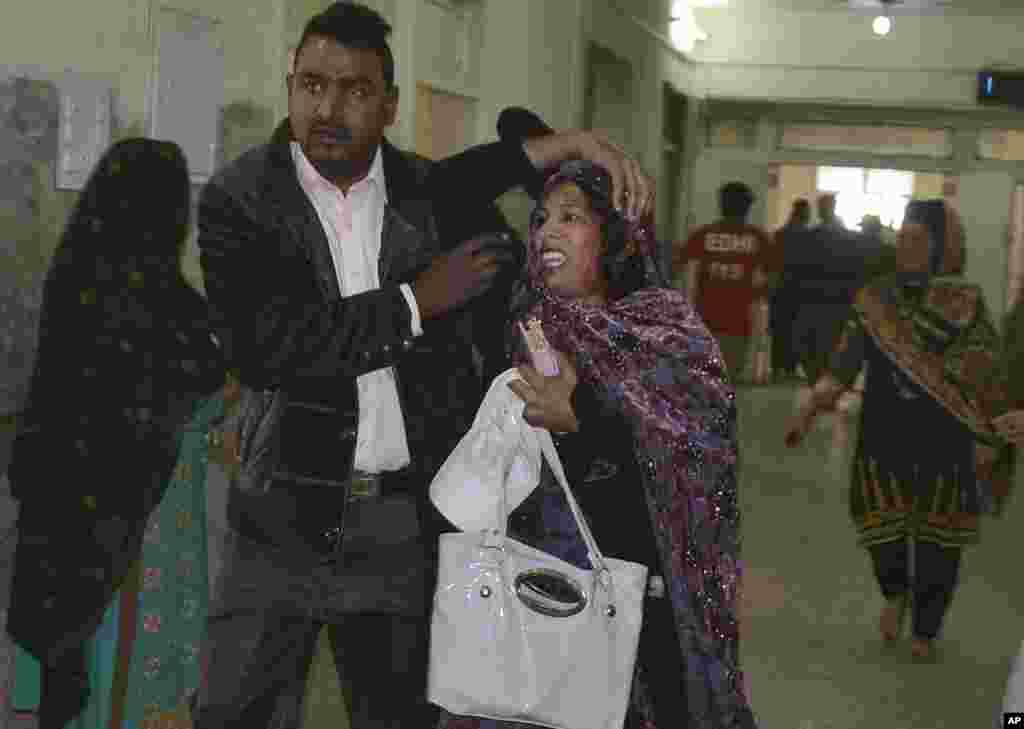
[520, 635]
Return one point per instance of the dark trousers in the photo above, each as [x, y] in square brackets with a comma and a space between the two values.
[784, 356]
[266, 614]
[936, 570]
[259, 662]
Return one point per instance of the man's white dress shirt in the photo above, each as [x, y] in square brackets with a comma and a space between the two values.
[353, 224]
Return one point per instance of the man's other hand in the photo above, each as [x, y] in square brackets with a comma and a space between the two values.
[456, 277]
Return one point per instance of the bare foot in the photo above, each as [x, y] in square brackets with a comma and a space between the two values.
[921, 648]
[891, 621]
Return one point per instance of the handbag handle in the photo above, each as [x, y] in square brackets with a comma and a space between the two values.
[547, 446]
[494, 538]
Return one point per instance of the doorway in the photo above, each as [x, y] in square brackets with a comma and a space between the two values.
[444, 122]
[859, 192]
[984, 199]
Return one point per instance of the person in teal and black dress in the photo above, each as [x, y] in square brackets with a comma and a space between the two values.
[109, 592]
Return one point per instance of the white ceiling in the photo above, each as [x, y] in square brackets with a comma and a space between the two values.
[911, 7]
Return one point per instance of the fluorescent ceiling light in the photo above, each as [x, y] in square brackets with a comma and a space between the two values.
[882, 25]
[681, 7]
[683, 28]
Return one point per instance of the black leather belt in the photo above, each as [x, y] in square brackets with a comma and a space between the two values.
[363, 486]
[362, 490]
[309, 515]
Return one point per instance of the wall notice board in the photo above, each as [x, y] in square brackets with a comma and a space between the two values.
[187, 91]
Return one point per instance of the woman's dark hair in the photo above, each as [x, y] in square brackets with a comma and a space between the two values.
[135, 206]
[354, 25]
[932, 215]
[624, 272]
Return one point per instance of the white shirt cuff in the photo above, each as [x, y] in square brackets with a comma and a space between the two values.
[414, 309]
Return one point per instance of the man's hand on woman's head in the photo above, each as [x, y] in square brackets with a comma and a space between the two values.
[633, 191]
[548, 399]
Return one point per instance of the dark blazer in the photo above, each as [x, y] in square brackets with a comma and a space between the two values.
[298, 345]
[829, 265]
[824, 268]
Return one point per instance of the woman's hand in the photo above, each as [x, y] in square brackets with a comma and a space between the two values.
[797, 428]
[985, 458]
[548, 399]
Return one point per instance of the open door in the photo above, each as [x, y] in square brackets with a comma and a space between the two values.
[444, 122]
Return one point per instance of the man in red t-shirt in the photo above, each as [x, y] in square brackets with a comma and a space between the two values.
[731, 265]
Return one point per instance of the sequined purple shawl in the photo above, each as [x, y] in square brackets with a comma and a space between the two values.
[650, 353]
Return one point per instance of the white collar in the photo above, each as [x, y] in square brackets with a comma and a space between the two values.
[307, 171]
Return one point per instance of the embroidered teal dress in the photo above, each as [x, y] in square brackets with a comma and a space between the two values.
[171, 590]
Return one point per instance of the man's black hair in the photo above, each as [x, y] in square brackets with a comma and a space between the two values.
[354, 25]
[801, 212]
[735, 200]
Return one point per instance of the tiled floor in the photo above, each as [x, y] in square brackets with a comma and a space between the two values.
[810, 644]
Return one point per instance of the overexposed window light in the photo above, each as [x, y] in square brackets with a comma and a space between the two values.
[882, 25]
[683, 28]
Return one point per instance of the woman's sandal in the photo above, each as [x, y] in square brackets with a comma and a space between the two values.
[891, 621]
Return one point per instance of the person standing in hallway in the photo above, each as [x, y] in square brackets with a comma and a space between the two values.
[827, 218]
[731, 264]
[341, 309]
[825, 266]
[782, 306]
[929, 461]
[633, 358]
[109, 594]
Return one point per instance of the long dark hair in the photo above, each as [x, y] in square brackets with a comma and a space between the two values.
[132, 217]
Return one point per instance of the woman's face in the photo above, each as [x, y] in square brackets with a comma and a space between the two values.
[571, 245]
[913, 248]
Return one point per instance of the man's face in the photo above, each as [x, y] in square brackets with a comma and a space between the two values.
[339, 106]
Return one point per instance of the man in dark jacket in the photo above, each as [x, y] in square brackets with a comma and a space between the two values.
[783, 309]
[345, 311]
[824, 267]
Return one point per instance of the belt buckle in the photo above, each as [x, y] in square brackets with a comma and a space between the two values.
[364, 486]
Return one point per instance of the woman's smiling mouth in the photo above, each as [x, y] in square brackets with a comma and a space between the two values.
[551, 259]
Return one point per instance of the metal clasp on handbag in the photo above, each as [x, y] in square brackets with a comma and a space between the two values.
[493, 541]
[550, 593]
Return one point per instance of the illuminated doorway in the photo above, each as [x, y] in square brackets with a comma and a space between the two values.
[859, 191]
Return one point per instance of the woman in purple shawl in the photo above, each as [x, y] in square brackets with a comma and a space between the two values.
[645, 423]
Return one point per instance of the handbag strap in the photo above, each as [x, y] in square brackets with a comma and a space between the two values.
[547, 446]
